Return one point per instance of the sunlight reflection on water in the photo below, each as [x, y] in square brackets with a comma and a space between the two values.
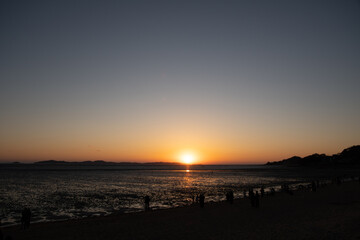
[57, 195]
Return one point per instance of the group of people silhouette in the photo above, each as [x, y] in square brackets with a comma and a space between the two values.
[285, 188]
[199, 198]
[25, 223]
[253, 196]
[254, 200]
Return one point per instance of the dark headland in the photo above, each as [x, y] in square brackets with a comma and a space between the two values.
[348, 157]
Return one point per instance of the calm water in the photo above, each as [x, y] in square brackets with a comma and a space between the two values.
[79, 192]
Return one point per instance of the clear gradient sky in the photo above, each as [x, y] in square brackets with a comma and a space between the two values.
[232, 81]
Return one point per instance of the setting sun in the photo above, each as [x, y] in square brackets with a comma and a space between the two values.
[187, 158]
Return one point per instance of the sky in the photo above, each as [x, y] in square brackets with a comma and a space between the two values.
[227, 81]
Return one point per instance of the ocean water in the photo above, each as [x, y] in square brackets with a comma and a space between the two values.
[59, 193]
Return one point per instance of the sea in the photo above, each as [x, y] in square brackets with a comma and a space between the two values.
[56, 193]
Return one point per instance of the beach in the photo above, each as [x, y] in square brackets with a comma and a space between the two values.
[332, 212]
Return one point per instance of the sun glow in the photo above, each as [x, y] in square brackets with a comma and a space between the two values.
[187, 158]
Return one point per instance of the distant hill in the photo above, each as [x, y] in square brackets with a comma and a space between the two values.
[100, 163]
[349, 156]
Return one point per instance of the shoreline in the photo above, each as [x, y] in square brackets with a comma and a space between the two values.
[294, 186]
[333, 210]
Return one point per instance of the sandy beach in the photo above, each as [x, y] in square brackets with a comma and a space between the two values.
[332, 212]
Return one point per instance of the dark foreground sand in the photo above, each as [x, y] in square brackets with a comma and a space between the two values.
[333, 212]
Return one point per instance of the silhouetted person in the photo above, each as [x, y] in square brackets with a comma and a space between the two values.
[230, 196]
[313, 186]
[262, 191]
[244, 193]
[202, 200]
[272, 191]
[25, 218]
[252, 197]
[338, 180]
[285, 187]
[251, 192]
[147, 203]
[257, 199]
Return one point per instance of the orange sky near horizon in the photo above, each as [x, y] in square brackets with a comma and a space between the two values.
[218, 146]
[240, 135]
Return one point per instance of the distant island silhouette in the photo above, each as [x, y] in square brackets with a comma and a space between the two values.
[349, 156]
[101, 163]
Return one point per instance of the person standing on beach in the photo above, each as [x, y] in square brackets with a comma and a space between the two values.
[262, 191]
[313, 186]
[252, 197]
[230, 196]
[25, 218]
[147, 203]
[257, 199]
[338, 180]
[202, 200]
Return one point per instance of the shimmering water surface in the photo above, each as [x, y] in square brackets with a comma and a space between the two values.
[74, 193]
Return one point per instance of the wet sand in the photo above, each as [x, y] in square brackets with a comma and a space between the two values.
[332, 212]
